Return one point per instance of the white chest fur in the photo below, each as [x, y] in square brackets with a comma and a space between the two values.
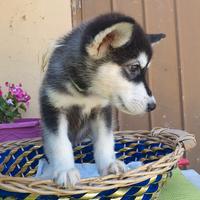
[61, 100]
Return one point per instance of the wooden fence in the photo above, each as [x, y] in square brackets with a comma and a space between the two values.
[174, 75]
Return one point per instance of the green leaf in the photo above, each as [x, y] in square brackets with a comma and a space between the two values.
[10, 114]
[23, 107]
[2, 101]
[3, 105]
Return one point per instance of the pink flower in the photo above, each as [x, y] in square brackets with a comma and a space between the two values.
[7, 84]
[18, 92]
[15, 97]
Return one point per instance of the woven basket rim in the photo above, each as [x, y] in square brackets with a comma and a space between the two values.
[98, 184]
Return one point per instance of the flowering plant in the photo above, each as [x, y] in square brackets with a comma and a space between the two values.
[13, 102]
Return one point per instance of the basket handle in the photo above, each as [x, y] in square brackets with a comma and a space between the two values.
[188, 140]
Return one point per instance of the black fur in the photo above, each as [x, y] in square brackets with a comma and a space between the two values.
[153, 38]
[49, 114]
[106, 114]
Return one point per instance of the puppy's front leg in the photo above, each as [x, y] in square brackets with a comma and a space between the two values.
[104, 145]
[59, 152]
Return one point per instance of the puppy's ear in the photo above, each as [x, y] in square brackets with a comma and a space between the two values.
[114, 36]
[155, 38]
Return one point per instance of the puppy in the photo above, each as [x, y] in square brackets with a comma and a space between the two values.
[101, 63]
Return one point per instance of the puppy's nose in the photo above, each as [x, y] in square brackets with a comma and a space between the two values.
[151, 106]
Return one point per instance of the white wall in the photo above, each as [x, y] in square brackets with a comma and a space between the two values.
[27, 29]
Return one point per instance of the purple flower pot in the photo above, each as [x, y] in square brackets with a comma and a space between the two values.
[20, 129]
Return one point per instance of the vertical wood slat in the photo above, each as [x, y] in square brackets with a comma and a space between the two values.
[132, 8]
[76, 10]
[93, 8]
[163, 76]
[188, 22]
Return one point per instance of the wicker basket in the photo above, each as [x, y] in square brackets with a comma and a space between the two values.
[159, 150]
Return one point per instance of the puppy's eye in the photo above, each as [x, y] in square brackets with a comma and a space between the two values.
[133, 68]
[133, 71]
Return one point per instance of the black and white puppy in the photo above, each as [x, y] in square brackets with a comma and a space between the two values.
[101, 63]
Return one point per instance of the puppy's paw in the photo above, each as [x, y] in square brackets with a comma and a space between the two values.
[117, 167]
[67, 178]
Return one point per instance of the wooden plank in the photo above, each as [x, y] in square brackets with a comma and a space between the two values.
[132, 8]
[189, 43]
[92, 8]
[76, 10]
[164, 73]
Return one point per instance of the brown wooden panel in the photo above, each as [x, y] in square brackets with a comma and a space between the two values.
[164, 72]
[189, 43]
[92, 8]
[76, 9]
[132, 8]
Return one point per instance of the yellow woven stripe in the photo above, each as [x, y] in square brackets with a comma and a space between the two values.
[32, 197]
[132, 145]
[79, 156]
[145, 188]
[89, 196]
[124, 149]
[146, 151]
[7, 158]
[78, 148]
[156, 149]
[152, 179]
[23, 155]
[7, 198]
[32, 172]
[141, 191]
[123, 157]
[139, 197]
[120, 192]
[82, 156]
[27, 164]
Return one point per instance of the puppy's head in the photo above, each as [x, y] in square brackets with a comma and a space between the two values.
[119, 52]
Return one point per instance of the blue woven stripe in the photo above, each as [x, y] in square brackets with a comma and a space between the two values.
[107, 193]
[77, 196]
[4, 154]
[14, 157]
[18, 196]
[84, 150]
[87, 158]
[47, 197]
[135, 157]
[145, 197]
